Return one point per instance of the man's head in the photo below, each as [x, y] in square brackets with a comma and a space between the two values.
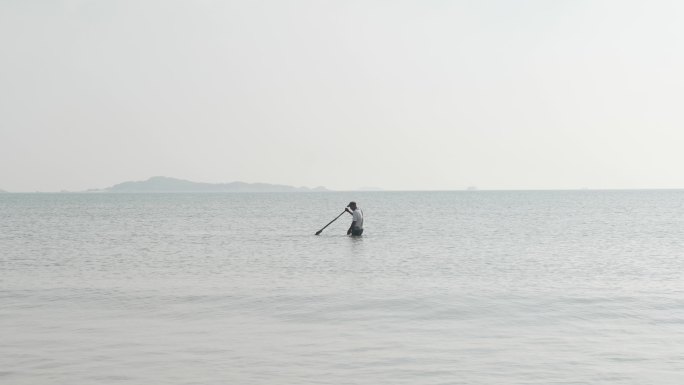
[352, 205]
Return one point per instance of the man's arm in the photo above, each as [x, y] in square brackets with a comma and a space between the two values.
[355, 219]
[352, 224]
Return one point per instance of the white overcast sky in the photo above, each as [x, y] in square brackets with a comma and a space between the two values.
[411, 95]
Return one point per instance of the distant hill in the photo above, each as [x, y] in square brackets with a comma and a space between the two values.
[162, 184]
[2, 191]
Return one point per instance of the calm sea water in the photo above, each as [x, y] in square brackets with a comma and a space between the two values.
[576, 287]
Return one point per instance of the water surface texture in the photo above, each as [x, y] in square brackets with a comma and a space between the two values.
[555, 287]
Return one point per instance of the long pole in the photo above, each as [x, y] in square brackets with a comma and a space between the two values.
[321, 230]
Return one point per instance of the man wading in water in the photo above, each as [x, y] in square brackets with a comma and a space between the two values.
[356, 228]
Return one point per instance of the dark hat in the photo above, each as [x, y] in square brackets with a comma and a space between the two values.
[351, 203]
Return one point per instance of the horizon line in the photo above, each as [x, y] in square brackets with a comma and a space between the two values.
[96, 191]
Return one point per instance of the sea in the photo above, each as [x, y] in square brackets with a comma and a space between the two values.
[461, 287]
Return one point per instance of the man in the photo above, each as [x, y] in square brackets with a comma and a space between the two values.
[356, 228]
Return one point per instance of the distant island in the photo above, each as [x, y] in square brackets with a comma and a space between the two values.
[2, 191]
[162, 184]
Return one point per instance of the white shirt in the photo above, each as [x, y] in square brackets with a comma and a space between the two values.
[357, 216]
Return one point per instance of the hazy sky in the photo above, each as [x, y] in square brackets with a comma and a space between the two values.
[395, 94]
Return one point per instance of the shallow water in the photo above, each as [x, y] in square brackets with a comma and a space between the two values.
[556, 287]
